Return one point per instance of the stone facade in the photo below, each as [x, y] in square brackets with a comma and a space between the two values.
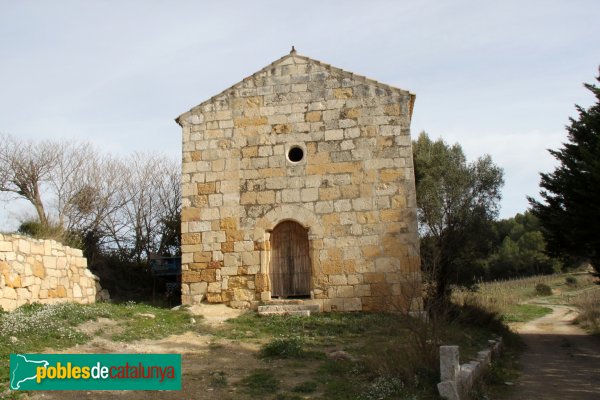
[301, 141]
[43, 271]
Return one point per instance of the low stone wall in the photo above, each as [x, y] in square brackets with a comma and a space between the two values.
[43, 271]
[457, 380]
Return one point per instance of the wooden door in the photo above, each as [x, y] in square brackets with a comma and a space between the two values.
[290, 261]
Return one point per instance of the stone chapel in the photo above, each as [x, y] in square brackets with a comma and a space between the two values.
[298, 183]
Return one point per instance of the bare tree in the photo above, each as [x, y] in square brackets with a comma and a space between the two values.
[151, 199]
[69, 179]
[170, 198]
[25, 167]
[127, 205]
[97, 195]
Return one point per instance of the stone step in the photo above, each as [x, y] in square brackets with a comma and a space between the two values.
[302, 313]
[277, 302]
[288, 309]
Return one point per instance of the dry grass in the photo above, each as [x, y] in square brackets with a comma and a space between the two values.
[503, 296]
[589, 304]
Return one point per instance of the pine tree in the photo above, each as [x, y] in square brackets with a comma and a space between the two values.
[570, 209]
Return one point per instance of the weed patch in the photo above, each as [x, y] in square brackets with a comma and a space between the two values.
[341, 379]
[384, 388]
[218, 379]
[260, 383]
[288, 396]
[319, 326]
[290, 347]
[306, 387]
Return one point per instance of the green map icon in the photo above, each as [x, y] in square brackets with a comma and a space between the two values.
[23, 369]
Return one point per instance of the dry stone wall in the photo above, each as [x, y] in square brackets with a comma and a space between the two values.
[352, 187]
[43, 271]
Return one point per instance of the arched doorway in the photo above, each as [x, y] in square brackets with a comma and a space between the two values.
[290, 261]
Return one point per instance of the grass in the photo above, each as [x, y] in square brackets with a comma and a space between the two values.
[319, 326]
[505, 369]
[589, 303]
[503, 296]
[524, 312]
[306, 387]
[389, 356]
[137, 326]
[261, 382]
[291, 347]
[341, 379]
[34, 328]
[386, 351]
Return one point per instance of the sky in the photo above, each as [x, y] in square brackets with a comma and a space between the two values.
[498, 77]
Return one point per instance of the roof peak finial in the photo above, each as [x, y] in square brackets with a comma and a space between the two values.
[293, 51]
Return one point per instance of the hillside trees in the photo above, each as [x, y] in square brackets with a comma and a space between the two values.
[570, 207]
[519, 249]
[456, 200]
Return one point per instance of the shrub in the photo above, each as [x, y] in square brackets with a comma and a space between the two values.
[290, 347]
[384, 388]
[543, 290]
[218, 378]
[571, 281]
[36, 230]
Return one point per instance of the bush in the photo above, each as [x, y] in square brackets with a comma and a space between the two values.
[543, 290]
[384, 388]
[291, 347]
[36, 230]
[571, 281]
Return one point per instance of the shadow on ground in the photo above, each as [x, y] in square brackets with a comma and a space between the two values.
[560, 360]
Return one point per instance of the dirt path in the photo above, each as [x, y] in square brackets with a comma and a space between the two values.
[560, 360]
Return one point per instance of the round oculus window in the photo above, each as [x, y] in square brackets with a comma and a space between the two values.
[295, 154]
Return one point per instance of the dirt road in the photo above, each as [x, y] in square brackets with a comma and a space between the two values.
[560, 361]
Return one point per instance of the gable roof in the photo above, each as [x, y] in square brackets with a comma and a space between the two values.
[329, 67]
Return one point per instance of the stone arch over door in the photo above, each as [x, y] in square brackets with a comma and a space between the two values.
[262, 236]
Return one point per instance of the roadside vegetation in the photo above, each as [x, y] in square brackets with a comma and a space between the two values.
[525, 299]
[361, 355]
[589, 303]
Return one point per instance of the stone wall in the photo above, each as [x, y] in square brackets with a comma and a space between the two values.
[43, 271]
[353, 189]
[457, 380]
